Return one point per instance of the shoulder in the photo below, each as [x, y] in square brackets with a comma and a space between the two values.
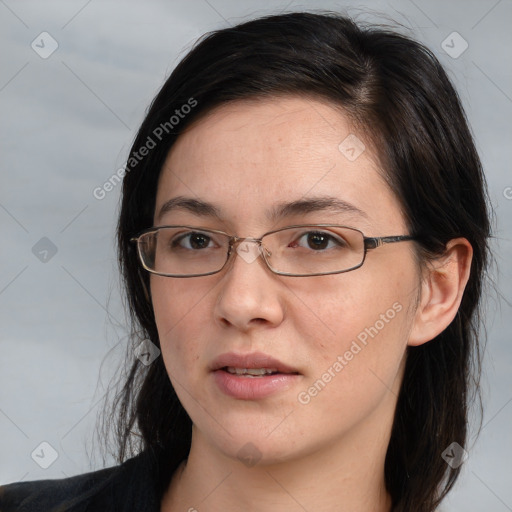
[53, 495]
[118, 488]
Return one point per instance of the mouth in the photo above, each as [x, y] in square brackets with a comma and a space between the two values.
[252, 376]
[250, 372]
[255, 364]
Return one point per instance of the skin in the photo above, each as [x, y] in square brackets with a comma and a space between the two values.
[328, 454]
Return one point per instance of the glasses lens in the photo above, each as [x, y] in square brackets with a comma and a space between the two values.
[183, 251]
[310, 250]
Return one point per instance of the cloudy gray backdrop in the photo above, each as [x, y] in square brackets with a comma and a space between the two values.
[67, 121]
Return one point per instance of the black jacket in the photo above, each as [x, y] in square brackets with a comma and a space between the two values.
[130, 487]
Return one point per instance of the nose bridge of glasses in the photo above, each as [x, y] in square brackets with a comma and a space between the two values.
[248, 248]
[237, 240]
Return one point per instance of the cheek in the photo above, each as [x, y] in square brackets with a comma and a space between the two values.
[357, 337]
[355, 372]
[180, 319]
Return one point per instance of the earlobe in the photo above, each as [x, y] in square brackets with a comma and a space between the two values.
[442, 288]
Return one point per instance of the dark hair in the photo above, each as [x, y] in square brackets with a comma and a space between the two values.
[397, 93]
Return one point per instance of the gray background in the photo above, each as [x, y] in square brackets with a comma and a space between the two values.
[67, 122]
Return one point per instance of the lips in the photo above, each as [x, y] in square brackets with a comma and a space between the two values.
[237, 363]
[253, 376]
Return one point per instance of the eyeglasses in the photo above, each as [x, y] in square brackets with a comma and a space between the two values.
[299, 251]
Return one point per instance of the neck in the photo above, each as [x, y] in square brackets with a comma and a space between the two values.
[345, 476]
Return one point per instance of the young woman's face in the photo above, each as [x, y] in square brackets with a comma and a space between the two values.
[339, 339]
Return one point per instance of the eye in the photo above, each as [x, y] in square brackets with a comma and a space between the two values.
[319, 241]
[193, 240]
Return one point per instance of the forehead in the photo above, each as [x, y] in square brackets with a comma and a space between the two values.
[247, 156]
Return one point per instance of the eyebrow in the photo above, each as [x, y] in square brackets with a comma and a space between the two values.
[279, 211]
[314, 204]
[200, 208]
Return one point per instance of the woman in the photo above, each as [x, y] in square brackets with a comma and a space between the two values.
[303, 238]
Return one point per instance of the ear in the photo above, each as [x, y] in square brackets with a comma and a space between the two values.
[441, 291]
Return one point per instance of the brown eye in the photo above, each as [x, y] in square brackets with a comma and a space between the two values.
[319, 241]
[193, 241]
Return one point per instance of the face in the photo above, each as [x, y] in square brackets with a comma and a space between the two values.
[338, 341]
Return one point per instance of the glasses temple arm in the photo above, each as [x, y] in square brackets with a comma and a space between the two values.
[374, 242]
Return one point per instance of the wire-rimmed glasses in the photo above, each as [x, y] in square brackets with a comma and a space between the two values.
[300, 250]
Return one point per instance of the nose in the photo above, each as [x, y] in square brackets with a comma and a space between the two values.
[249, 294]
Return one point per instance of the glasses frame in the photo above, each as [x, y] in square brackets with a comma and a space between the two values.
[234, 240]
